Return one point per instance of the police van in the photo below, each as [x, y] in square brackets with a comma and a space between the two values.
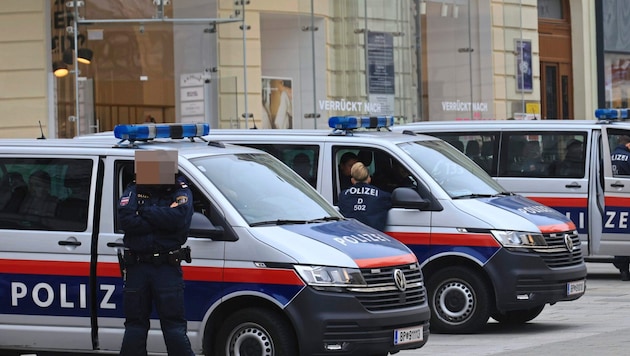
[564, 164]
[275, 270]
[484, 252]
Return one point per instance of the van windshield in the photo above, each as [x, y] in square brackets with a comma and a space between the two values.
[459, 176]
[265, 191]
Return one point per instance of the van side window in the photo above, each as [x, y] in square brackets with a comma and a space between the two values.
[481, 147]
[45, 194]
[303, 159]
[544, 155]
[387, 172]
[125, 175]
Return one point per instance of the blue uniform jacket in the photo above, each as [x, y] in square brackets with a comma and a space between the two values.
[366, 203]
[155, 218]
[620, 159]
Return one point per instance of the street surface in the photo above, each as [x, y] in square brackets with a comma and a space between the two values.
[596, 324]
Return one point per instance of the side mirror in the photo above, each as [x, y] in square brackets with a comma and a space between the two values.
[408, 198]
[201, 226]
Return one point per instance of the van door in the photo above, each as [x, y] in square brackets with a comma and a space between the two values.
[46, 228]
[410, 226]
[615, 237]
[203, 277]
[550, 168]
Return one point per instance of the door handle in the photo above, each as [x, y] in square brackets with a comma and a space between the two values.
[115, 244]
[69, 243]
[617, 185]
[573, 185]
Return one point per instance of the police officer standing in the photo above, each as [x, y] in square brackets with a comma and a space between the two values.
[363, 201]
[155, 213]
[620, 160]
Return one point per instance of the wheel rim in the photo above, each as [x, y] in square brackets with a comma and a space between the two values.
[250, 340]
[455, 302]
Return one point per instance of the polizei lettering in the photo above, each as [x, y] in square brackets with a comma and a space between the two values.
[362, 191]
[45, 295]
[361, 238]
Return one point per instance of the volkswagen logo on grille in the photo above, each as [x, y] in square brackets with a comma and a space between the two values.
[400, 280]
[568, 242]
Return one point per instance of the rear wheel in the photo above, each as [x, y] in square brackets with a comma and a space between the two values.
[517, 316]
[459, 300]
[255, 332]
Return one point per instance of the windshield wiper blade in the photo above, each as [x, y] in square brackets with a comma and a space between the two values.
[325, 218]
[278, 222]
[473, 196]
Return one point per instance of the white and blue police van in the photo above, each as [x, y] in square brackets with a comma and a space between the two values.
[276, 270]
[575, 174]
[484, 252]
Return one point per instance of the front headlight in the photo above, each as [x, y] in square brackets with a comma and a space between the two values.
[519, 239]
[328, 276]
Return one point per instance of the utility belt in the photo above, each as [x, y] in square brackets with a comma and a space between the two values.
[173, 258]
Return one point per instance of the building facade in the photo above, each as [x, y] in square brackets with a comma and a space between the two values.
[293, 63]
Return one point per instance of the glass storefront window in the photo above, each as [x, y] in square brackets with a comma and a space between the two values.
[284, 64]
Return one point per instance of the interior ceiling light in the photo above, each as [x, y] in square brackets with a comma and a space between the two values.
[60, 69]
[84, 55]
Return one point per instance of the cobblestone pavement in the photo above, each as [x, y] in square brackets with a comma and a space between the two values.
[596, 324]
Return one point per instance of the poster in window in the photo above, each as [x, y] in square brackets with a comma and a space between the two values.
[524, 80]
[277, 103]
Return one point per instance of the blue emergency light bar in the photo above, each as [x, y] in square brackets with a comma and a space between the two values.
[603, 114]
[355, 122]
[151, 131]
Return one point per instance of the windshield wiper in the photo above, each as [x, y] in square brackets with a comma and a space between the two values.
[477, 195]
[293, 222]
[324, 219]
[473, 196]
[279, 222]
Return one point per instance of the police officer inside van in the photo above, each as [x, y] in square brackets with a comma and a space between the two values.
[363, 201]
[620, 160]
[155, 213]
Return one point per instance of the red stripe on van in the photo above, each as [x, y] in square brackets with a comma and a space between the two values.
[563, 202]
[56, 268]
[617, 201]
[260, 275]
[463, 239]
[386, 261]
[548, 229]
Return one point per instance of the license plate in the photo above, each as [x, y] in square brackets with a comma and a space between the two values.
[576, 287]
[407, 335]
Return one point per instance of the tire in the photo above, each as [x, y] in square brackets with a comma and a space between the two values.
[459, 301]
[255, 332]
[515, 317]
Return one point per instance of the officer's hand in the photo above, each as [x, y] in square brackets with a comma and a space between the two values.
[174, 204]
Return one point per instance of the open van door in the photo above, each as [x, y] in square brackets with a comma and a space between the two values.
[615, 238]
[596, 194]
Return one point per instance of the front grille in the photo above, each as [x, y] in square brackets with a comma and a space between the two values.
[556, 254]
[381, 292]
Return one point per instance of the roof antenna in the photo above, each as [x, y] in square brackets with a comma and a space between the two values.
[42, 137]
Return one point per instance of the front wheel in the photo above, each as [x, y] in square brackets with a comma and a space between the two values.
[255, 332]
[515, 317]
[459, 301]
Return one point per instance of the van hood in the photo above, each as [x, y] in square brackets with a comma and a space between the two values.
[546, 219]
[344, 243]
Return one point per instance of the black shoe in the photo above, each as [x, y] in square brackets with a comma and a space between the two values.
[625, 275]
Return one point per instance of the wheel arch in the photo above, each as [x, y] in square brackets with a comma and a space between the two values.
[223, 310]
[442, 262]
